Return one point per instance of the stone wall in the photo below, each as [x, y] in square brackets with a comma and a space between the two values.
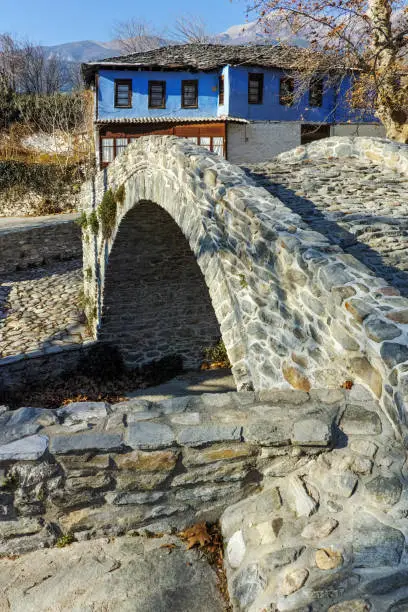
[310, 488]
[45, 365]
[259, 141]
[378, 150]
[37, 244]
[293, 309]
[367, 130]
[156, 302]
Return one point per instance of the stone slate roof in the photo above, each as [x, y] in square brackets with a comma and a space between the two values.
[171, 119]
[205, 57]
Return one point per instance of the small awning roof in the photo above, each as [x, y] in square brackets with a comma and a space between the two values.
[171, 120]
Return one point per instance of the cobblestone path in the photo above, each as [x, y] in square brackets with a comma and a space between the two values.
[359, 206]
[39, 309]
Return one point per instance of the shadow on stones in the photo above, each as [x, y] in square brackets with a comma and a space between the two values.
[99, 376]
[36, 272]
[340, 236]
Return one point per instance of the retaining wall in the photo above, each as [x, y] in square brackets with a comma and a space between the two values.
[37, 244]
[98, 468]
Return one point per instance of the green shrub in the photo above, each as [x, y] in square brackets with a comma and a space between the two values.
[93, 222]
[120, 194]
[217, 353]
[45, 179]
[107, 213]
[82, 221]
[65, 540]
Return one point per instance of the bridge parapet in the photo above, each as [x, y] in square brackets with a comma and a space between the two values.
[293, 309]
[378, 150]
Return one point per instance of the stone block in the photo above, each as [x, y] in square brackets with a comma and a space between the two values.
[217, 452]
[149, 436]
[236, 549]
[129, 480]
[374, 543]
[247, 585]
[379, 330]
[212, 472]
[320, 528]
[268, 433]
[312, 432]
[27, 449]
[393, 353]
[155, 461]
[79, 412]
[83, 442]
[296, 377]
[382, 491]
[301, 501]
[132, 498]
[358, 421]
[19, 527]
[208, 434]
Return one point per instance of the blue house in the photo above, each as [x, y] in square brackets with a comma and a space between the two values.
[239, 101]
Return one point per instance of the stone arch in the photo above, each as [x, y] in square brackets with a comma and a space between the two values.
[156, 303]
[292, 308]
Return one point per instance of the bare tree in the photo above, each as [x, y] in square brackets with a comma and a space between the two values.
[25, 67]
[190, 29]
[366, 38]
[39, 74]
[136, 36]
[10, 62]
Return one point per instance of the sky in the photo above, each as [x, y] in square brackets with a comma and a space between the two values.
[50, 22]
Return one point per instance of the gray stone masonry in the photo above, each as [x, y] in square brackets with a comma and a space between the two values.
[310, 488]
[293, 308]
[38, 242]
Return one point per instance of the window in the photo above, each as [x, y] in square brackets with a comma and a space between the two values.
[255, 88]
[123, 93]
[286, 91]
[189, 94]
[316, 92]
[157, 94]
[108, 151]
[218, 145]
[220, 90]
[121, 144]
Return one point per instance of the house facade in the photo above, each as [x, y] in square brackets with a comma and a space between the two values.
[238, 101]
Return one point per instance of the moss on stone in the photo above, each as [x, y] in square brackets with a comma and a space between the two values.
[82, 221]
[120, 194]
[107, 213]
[93, 222]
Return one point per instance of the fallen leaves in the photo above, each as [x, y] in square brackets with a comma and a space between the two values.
[208, 539]
[196, 535]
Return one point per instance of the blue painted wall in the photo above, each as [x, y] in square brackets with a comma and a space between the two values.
[335, 106]
[271, 110]
[343, 112]
[207, 92]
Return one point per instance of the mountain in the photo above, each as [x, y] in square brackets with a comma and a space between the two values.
[84, 50]
[251, 32]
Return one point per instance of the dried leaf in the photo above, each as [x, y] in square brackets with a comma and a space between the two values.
[197, 535]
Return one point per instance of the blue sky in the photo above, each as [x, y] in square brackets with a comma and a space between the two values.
[56, 21]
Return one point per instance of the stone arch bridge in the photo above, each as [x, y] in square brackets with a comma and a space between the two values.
[196, 249]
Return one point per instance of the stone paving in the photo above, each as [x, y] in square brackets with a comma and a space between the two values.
[40, 309]
[360, 206]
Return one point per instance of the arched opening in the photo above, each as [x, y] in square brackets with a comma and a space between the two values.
[156, 303]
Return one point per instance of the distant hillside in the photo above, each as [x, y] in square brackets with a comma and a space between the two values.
[91, 50]
[84, 50]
